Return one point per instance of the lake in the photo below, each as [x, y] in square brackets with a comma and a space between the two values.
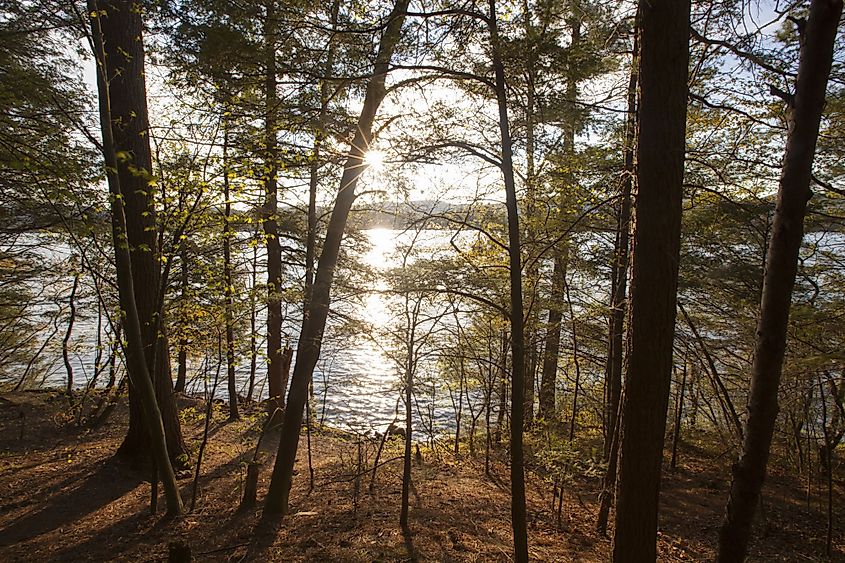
[356, 383]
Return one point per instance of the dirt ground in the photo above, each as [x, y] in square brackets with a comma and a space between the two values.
[63, 497]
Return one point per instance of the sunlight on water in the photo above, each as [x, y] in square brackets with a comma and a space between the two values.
[356, 381]
[383, 243]
[380, 257]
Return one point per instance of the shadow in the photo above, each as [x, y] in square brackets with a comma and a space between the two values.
[499, 482]
[94, 546]
[221, 470]
[408, 538]
[263, 536]
[105, 484]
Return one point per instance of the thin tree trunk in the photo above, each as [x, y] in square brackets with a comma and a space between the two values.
[314, 321]
[253, 345]
[804, 115]
[620, 266]
[182, 354]
[664, 57]
[409, 387]
[552, 348]
[609, 480]
[208, 416]
[722, 392]
[518, 511]
[503, 389]
[229, 293]
[271, 214]
[68, 332]
[679, 412]
[575, 359]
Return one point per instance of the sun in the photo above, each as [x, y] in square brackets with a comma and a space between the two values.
[374, 159]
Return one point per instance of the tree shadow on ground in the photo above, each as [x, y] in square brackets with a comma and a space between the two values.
[108, 482]
[263, 536]
[408, 538]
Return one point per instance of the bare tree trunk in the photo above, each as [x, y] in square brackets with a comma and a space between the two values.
[575, 359]
[518, 513]
[409, 387]
[609, 480]
[68, 332]
[314, 321]
[134, 350]
[209, 403]
[724, 397]
[620, 264]
[664, 56]
[271, 214]
[229, 293]
[182, 357]
[253, 345]
[804, 115]
[124, 63]
[552, 348]
[679, 411]
[503, 389]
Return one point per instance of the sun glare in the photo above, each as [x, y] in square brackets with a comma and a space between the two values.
[374, 159]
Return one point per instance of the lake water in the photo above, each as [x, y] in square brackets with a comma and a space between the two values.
[356, 383]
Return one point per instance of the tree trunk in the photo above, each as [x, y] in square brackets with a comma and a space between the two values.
[575, 360]
[409, 387]
[253, 345]
[620, 265]
[124, 55]
[314, 320]
[503, 388]
[518, 513]
[229, 293]
[679, 413]
[136, 362]
[804, 116]
[552, 348]
[182, 355]
[68, 332]
[664, 56]
[609, 480]
[271, 214]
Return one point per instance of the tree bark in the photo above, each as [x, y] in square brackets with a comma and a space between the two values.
[620, 265]
[552, 348]
[271, 214]
[664, 56]
[182, 354]
[136, 362]
[229, 293]
[804, 116]
[518, 512]
[679, 413]
[409, 389]
[123, 45]
[68, 332]
[314, 320]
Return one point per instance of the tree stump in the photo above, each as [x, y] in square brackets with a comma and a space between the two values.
[250, 486]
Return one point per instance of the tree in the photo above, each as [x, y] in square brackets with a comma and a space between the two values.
[804, 110]
[123, 45]
[314, 319]
[664, 56]
[137, 360]
[518, 518]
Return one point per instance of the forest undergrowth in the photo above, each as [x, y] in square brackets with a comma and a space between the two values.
[64, 497]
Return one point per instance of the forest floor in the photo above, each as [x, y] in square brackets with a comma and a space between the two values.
[63, 497]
